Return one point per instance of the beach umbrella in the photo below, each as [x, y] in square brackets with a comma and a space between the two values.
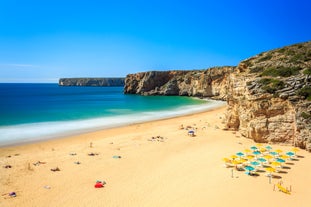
[234, 156]
[268, 157]
[258, 144]
[279, 151]
[268, 147]
[243, 160]
[236, 163]
[226, 159]
[270, 170]
[284, 157]
[262, 149]
[255, 163]
[262, 160]
[279, 160]
[253, 148]
[276, 164]
[250, 157]
[295, 149]
[240, 154]
[256, 153]
[290, 154]
[247, 150]
[273, 153]
[249, 168]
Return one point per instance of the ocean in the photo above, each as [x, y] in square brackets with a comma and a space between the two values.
[31, 112]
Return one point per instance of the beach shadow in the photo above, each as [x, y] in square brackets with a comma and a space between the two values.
[282, 172]
[286, 167]
[295, 159]
[290, 163]
[254, 174]
[300, 156]
[276, 176]
[261, 171]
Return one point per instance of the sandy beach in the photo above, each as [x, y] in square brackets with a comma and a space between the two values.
[149, 164]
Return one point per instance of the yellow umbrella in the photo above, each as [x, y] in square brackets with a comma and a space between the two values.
[262, 149]
[295, 149]
[284, 157]
[226, 159]
[234, 156]
[259, 145]
[276, 164]
[247, 150]
[268, 157]
[242, 160]
[236, 162]
[270, 169]
[279, 151]
[250, 157]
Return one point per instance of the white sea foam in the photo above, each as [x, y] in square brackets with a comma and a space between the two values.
[18, 134]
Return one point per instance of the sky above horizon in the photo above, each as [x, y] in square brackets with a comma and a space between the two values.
[42, 41]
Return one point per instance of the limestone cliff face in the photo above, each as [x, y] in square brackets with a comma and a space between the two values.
[200, 83]
[268, 95]
[91, 82]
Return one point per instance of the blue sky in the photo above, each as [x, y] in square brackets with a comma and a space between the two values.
[42, 41]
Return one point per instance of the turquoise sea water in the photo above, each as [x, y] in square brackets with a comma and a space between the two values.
[32, 112]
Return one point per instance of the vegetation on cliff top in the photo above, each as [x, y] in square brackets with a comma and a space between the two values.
[284, 62]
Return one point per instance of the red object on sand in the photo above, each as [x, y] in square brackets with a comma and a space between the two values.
[99, 185]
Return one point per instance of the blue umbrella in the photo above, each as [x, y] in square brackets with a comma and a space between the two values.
[261, 159]
[256, 152]
[290, 153]
[273, 153]
[280, 160]
[249, 168]
[255, 163]
[268, 147]
[254, 148]
[240, 154]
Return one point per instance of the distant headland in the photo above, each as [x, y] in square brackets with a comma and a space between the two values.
[91, 82]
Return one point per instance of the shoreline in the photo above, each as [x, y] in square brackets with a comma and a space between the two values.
[147, 164]
[38, 132]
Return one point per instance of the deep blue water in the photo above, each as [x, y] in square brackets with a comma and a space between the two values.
[37, 111]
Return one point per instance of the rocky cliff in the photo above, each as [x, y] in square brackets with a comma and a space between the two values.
[91, 82]
[268, 95]
[199, 83]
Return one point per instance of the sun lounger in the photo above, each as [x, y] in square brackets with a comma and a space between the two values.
[281, 188]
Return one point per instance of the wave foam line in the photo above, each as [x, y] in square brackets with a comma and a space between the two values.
[18, 134]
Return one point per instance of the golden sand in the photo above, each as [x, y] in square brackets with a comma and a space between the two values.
[149, 164]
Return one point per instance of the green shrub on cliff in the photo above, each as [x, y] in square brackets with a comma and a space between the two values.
[270, 85]
[307, 71]
[306, 92]
[281, 71]
[305, 115]
[265, 58]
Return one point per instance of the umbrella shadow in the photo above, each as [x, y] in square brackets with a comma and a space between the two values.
[290, 163]
[282, 172]
[294, 159]
[260, 171]
[300, 156]
[286, 167]
[276, 176]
